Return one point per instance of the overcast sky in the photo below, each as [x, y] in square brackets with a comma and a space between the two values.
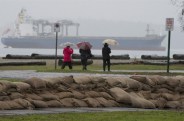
[152, 11]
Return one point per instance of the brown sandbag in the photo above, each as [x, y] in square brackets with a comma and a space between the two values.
[33, 96]
[97, 79]
[173, 104]
[62, 95]
[78, 95]
[146, 94]
[106, 95]
[104, 102]
[67, 80]
[120, 95]
[79, 103]
[155, 96]
[4, 105]
[92, 102]
[82, 79]
[92, 94]
[132, 84]
[160, 102]
[173, 82]
[53, 103]
[113, 82]
[141, 79]
[123, 82]
[181, 80]
[4, 98]
[39, 104]
[6, 85]
[52, 82]
[36, 83]
[21, 86]
[158, 80]
[24, 103]
[163, 90]
[67, 102]
[48, 96]
[14, 105]
[170, 97]
[15, 95]
[138, 102]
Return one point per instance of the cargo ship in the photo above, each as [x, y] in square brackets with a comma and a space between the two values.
[32, 33]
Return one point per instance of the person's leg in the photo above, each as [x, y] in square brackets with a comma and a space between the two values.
[63, 65]
[83, 64]
[104, 64]
[70, 65]
[109, 64]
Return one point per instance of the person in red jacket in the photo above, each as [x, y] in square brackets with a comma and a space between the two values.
[67, 60]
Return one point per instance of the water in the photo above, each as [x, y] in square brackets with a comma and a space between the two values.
[132, 53]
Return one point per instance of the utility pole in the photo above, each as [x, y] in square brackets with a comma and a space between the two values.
[56, 29]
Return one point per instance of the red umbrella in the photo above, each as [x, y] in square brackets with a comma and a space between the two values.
[84, 45]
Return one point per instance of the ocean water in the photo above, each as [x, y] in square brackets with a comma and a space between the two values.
[132, 53]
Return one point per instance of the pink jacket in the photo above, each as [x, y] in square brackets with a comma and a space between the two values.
[67, 51]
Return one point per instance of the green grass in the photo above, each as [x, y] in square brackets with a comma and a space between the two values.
[96, 68]
[102, 116]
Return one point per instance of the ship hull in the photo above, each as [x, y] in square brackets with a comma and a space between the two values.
[125, 43]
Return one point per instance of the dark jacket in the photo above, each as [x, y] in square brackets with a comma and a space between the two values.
[85, 54]
[106, 52]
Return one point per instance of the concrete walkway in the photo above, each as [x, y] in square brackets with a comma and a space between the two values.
[22, 74]
[69, 110]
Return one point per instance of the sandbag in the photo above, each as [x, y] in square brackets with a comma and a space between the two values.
[92, 102]
[173, 82]
[67, 102]
[113, 82]
[97, 79]
[170, 97]
[53, 103]
[24, 103]
[36, 83]
[158, 80]
[33, 96]
[82, 79]
[22, 87]
[15, 95]
[14, 105]
[4, 106]
[138, 102]
[39, 104]
[103, 102]
[92, 94]
[141, 79]
[62, 95]
[106, 95]
[6, 85]
[79, 103]
[48, 96]
[173, 104]
[120, 95]
[78, 95]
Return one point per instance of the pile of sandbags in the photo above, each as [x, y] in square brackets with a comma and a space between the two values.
[93, 91]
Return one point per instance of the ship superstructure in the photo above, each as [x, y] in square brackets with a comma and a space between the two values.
[31, 33]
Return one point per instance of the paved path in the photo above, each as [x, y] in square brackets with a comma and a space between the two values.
[64, 110]
[32, 73]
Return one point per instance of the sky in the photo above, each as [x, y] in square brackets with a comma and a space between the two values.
[110, 14]
[153, 11]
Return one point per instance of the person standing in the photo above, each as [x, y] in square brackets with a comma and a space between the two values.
[85, 54]
[67, 60]
[106, 56]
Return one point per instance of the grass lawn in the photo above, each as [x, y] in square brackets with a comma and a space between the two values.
[96, 68]
[102, 116]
